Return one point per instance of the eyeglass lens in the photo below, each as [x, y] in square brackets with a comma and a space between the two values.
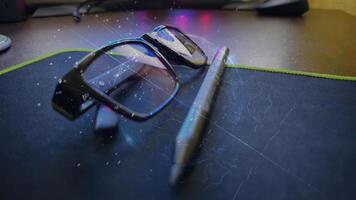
[132, 75]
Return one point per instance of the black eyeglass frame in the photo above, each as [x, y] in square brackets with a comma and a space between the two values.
[73, 95]
[176, 56]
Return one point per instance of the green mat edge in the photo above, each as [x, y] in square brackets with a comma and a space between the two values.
[295, 72]
[282, 71]
[37, 59]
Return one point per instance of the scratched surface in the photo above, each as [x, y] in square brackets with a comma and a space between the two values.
[269, 136]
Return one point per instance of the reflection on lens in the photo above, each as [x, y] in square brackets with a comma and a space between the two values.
[180, 43]
[133, 76]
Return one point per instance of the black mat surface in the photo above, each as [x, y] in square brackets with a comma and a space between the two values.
[270, 136]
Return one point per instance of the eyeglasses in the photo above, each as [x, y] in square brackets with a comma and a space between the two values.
[134, 77]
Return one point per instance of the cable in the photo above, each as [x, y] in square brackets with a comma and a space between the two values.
[89, 3]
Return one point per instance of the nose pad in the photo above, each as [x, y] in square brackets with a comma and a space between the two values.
[190, 48]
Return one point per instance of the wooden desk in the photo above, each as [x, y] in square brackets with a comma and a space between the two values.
[321, 41]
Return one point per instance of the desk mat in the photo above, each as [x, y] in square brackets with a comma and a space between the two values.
[269, 136]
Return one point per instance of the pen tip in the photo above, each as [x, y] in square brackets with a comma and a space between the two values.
[176, 172]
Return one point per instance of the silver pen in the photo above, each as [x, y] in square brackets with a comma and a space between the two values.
[189, 135]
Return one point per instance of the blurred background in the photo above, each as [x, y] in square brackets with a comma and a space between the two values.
[348, 6]
[299, 43]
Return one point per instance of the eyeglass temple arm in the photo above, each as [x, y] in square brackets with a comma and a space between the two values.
[106, 120]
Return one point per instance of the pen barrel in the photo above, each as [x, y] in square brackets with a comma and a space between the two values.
[189, 135]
